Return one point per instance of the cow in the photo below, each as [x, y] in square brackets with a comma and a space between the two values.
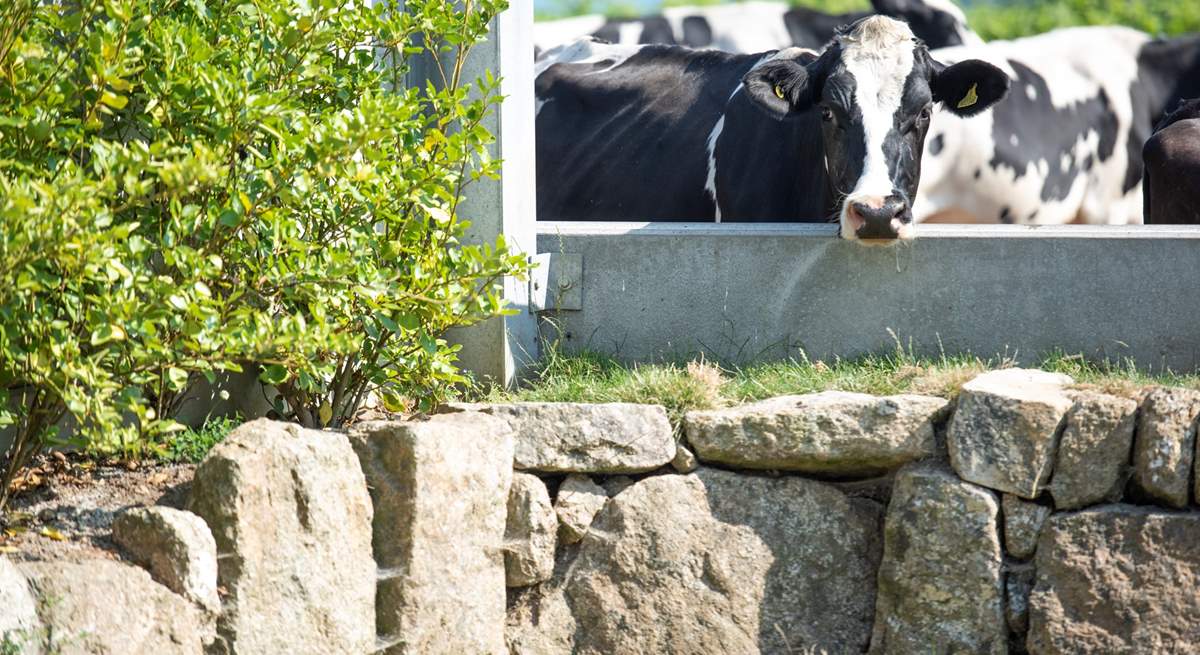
[1171, 181]
[668, 133]
[754, 26]
[1066, 145]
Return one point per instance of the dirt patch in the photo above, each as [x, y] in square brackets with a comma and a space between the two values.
[66, 507]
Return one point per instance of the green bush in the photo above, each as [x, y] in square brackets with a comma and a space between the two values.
[196, 186]
[1027, 17]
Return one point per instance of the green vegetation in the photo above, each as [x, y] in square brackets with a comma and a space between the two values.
[196, 186]
[192, 444]
[1025, 17]
[592, 377]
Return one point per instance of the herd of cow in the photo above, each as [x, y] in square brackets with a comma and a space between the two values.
[757, 112]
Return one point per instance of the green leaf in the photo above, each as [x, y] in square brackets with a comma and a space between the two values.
[107, 333]
[113, 100]
[177, 377]
[273, 374]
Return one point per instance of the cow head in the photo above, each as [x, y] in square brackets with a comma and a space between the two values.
[874, 87]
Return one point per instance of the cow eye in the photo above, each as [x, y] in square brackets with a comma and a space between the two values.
[926, 112]
[827, 114]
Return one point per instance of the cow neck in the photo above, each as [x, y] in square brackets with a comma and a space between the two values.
[772, 170]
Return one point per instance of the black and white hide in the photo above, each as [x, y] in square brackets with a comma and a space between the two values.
[1065, 146]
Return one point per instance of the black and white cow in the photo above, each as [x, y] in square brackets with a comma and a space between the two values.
[1066, 145]
[1171, 184]
[756, 26]
[669, 133]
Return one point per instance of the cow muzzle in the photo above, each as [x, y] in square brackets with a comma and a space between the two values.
[875, 219]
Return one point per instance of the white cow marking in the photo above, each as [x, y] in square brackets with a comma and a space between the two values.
[879, 54]
[585, 51]
[710, 183]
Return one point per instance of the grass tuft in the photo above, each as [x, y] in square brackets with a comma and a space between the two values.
[593, 377]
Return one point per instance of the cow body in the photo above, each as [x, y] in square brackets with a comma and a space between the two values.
[596, 122]
[668, 133]
[1171, 184]
[1065, 146]
[755, 26]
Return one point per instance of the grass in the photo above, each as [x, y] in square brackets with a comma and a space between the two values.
[591, 377]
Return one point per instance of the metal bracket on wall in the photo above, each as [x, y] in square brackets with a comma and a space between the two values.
[556, 281]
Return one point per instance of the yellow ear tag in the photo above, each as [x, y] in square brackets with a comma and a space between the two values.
[779, 91]
[969, 99]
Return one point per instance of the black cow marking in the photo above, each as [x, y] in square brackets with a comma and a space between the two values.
[1032, 216]
[655, 29]
[810, 28]
[1022, 142]
[978, 172]
[697, 33]
[933, 24]
[1006, 215]
[936, 145]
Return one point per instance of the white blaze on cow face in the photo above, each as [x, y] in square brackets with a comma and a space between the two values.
[879, 55]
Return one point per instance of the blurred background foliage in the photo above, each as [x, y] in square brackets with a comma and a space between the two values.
[992, 19]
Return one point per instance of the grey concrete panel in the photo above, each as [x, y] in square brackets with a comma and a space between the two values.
[754, 292]
[500, 348]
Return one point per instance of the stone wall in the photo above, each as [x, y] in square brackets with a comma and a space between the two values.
[1027, 516]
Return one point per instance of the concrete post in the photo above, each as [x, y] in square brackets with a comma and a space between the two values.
[498, 349]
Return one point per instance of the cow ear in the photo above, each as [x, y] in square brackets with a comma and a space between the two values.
[968, 87]
[784, 88]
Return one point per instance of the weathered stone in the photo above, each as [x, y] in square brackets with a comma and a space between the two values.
[685, 460]
[1005, 430]
[539, 619]
[291, 517]
[1018, 584]
[177, 548]
[717, 562]
[529, 537]
[940, 587]
[440, 488]
[20, 630]
[832, 433]
[1022, 524]
[540, 622]
[587, 437]
[576, 505]
[104, 607]
[1164, 446]
[1117, 579]
[1093, 453]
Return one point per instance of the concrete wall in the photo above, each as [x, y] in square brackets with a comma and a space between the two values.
[755, 292]
[500, 348]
